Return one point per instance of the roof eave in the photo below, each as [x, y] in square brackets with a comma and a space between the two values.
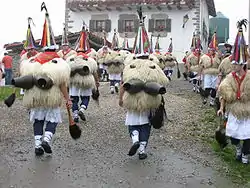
[211, 8]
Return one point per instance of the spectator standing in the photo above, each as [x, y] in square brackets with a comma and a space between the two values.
[7, 62]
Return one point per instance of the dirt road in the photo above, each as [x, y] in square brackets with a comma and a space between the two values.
[99, 158]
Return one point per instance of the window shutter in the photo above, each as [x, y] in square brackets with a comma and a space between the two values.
[92, 25]
[168, 25]
[151, 25]
[136, 25]
[121, 26]
[107, 25]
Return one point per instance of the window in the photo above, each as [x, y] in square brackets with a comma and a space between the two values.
[100, 25]
[160, 25]
[129, 25]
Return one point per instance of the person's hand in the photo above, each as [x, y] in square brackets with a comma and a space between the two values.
[120, 103]
[220, 112]
[69, 103]
[216, 87]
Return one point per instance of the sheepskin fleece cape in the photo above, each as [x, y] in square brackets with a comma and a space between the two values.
[114, 57]
[59, 73]
[65, 56]
[240, 108]
[161, 59]
[193, 61]
[210, 65]
[101, 55]
[170, 60]
[226, 66]
[79, 81]
[92, 53]
[147, 71]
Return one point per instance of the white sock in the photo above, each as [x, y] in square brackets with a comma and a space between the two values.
[117, 85]
[38, 141]
[47, 136]
[112, 88]
[75, 114]
[135, 136]
[142, 147]
[82, 108]
[212, 101]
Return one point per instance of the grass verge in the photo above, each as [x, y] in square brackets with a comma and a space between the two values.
[6, 91]
[238, 172]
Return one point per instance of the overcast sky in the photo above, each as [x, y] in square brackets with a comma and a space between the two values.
[14, 14]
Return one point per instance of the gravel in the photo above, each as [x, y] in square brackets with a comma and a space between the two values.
[99, 158]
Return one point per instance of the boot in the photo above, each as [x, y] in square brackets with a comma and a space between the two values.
[46, 141]
[117, 87]
[238, 152]
[244, 159]
[112, 89]
[75, 116]
[136, 143]
[38, 145]
[142, 153]
[212, 100]
[81, 113]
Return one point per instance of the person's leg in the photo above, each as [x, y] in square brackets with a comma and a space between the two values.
[7, 77]
[112, 86]
[75, 100]
[238, 148]
[134, 134]
[49, 132]
[245, 151]
[38, 134]
[144, 135]
[83, 106]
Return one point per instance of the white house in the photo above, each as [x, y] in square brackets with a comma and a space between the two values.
[164, 18]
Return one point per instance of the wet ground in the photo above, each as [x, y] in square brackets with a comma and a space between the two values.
[99, 158]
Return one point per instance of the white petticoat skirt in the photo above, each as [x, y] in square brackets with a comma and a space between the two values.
[48, 114]
[239, 129]
[115, 76]
[73, 91]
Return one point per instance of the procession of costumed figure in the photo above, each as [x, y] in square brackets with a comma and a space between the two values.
[142, 85]
[170, 61]
[193, 61]
[84, 78]
[101, 56]
[29, 47]
[158, 54]
[66, 51]
[114, 62]
[234, 92]
[45, 80]
[90, 52]
[209, 68]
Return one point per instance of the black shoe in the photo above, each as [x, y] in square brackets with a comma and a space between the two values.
[76, 119]
[46, 147]
[134, 149]
[82, 116]
[204, 101]
[169, 78]
[142, 156]
[39, 151]
[116, 89]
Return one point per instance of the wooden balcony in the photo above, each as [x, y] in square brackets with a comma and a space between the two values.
[119, 5]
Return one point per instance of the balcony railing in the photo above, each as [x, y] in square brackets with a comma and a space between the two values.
[90, 3]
